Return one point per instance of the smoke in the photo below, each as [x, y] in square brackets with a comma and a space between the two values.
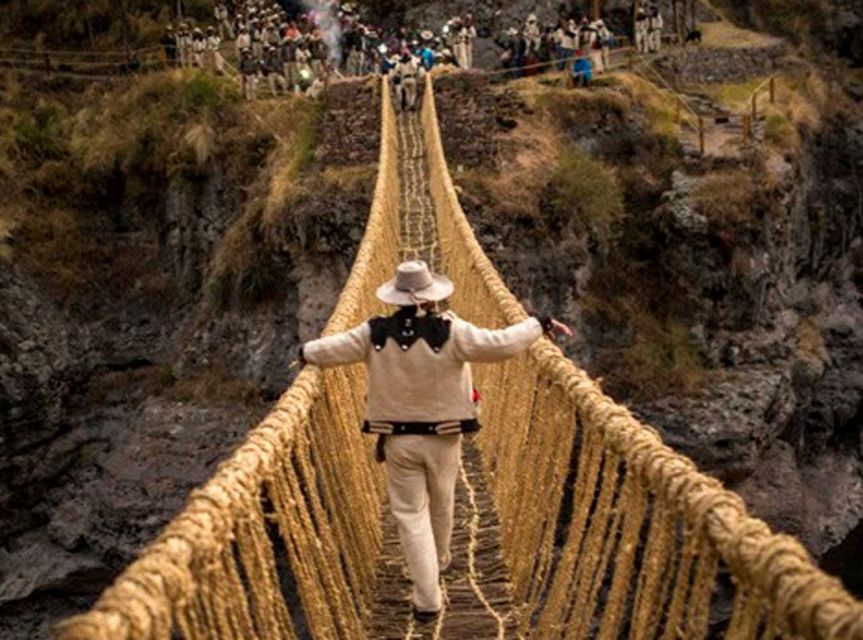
[326, 15]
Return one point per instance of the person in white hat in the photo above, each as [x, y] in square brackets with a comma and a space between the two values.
[421, 400]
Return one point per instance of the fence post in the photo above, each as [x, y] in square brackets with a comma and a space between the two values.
[701, 134]
[772, 90]
[747, 127]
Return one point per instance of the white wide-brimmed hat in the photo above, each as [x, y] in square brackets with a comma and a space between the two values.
[415, 283]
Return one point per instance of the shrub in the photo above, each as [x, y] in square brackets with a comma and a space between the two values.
[780, 132]
[587, 194]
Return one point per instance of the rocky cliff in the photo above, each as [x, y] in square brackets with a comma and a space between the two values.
[719, 297]
[124, 382]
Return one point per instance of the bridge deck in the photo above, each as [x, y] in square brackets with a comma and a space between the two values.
[477, 592]
[477, 598]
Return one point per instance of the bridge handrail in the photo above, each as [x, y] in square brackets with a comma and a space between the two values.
[807, 601]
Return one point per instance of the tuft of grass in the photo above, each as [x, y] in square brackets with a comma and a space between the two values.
[659, 106]
[659, 357]
[780, 133]
[137, 129]
[810, 340]
[726, 197]
[588, 193]
[201, 140]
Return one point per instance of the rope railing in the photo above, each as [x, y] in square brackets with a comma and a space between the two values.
[302, 486]
[651, 543]
[86, 65]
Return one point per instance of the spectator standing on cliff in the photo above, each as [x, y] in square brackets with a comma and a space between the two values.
[605, 38]
[244, 40]
[642, 30]
[465, 34]
[655, 27]
[532, 35]
[169, 45]
[273, 70]
[290, 69]
[214, 56]
[184, 45]
[565, 38]
[249, 68]
[199, 48]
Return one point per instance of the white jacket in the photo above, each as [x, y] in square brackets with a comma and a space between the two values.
[420, 384]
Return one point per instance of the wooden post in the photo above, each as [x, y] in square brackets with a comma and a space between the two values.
[596, 15]
[772, 90]
[676, 20]
[701, 134]
[635, 6]
[747, 128]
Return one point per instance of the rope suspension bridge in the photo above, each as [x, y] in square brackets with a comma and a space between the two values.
[574, 520]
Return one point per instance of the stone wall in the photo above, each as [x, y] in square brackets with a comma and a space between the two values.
[471, 113]
[704, 65]
[351, 126]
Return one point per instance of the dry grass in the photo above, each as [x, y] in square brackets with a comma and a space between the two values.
[723, 34]
[534, 148]
[810, 340]
[587, 195]
[659, 358]
[659, 105]
[7, 224]
[726, 197]
[201, 141]
[139, 128]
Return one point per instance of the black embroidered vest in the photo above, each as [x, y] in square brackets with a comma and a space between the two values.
[405, 328]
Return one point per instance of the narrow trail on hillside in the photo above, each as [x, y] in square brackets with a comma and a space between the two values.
[477, 592]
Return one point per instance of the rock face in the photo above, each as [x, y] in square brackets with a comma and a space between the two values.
[112, 409]
[710, 65]
[768, 301]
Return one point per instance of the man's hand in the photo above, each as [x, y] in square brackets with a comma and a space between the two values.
[553, 328]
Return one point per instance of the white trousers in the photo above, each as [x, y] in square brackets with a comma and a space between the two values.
[408, 93]
[421, 477]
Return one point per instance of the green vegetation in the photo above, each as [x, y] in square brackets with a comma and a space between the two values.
[658, 356]
[587, 192]
[248, 266]
[139, 129]
[95, 24]
[779, 132]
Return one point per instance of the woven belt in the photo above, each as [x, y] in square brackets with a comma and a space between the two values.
[448, 427]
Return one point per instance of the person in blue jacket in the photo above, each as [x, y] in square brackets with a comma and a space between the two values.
[582, 70]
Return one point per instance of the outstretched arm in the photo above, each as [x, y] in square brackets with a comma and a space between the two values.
[348, 347]
[474, 344]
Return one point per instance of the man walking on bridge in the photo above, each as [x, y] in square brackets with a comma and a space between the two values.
[421, 400]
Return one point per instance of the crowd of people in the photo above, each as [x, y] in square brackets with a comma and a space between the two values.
[283, 47]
